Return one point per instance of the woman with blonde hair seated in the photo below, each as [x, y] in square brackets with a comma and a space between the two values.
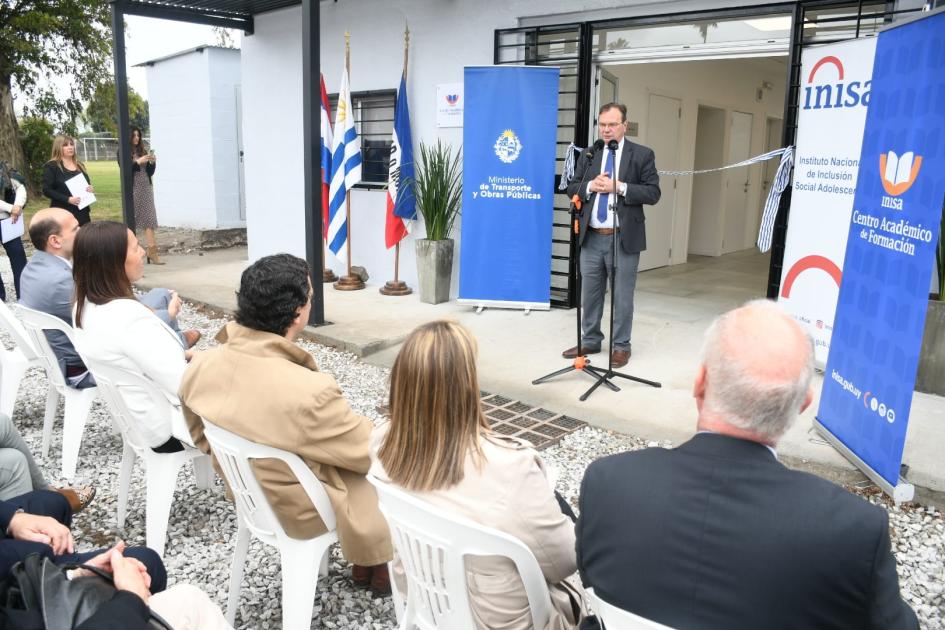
[114, 327]
[438, 446]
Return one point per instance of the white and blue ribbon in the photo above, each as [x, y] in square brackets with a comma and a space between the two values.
[781, 179]
[567, 169]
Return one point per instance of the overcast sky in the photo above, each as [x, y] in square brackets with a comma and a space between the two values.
[148, 38]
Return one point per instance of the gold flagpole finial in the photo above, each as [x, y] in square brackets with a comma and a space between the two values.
[406, 46]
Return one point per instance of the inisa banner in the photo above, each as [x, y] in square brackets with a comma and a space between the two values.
[509, 141]
[834, 97]
[880, 316]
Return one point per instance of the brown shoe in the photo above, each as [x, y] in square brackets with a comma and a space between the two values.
[380, 580]
[570, 353]
[191, 337]
[152, 256]
[78, 497]
[360, 575]
[620, 358]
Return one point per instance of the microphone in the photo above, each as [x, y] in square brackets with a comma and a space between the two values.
[576, 201]
[612, 145]
[593, 149]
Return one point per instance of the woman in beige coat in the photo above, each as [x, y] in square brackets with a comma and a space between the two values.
[438, 446]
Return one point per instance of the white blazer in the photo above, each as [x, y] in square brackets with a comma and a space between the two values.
[127, 334]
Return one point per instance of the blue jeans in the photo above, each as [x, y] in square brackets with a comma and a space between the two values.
[54, 505]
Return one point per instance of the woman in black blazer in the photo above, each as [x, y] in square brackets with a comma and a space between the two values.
[62, 166]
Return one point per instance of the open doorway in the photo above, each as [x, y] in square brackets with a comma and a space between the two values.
[702, 95]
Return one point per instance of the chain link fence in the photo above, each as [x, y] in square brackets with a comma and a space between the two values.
[98, 148]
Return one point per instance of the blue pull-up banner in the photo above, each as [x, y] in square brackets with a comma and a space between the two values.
[897, 210]
[509, 144]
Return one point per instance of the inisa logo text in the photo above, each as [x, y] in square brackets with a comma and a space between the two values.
[841, 94]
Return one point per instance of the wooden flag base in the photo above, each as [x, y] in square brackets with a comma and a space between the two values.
[349, 283]
[329, 276]
[395, 287]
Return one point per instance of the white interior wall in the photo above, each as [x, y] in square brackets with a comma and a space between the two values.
[705, 230]
[729, 84]
[193, 134]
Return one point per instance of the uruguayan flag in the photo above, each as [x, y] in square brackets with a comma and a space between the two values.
[345, 168]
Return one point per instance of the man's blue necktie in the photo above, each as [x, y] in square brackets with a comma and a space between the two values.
[603, 197]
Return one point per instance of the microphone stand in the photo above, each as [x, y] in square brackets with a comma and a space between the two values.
[580, 363]
[605, 377]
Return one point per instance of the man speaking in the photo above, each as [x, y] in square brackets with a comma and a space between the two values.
[637, 183]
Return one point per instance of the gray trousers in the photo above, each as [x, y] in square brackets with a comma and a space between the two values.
[19, 473]
[157, 300]
[596, 262]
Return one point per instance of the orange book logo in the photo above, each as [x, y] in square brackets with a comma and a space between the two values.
[899, 171]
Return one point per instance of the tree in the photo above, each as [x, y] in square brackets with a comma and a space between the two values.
[102, 111]
[224, 37]
[54, 52]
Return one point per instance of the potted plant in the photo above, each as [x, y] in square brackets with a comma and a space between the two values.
[931, 373]
[438, 188]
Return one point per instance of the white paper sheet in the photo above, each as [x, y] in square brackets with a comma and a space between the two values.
[77, 188]
[10, 230]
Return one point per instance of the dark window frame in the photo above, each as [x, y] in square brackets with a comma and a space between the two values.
[375, 158]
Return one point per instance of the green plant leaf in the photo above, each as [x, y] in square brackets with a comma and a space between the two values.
[438, 188]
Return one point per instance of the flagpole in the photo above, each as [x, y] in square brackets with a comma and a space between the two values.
[395, 286]
[349, 282]
[327, 274]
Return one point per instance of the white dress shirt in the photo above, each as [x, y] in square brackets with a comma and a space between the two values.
[621, 190]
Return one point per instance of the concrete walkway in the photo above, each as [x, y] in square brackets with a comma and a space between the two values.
[674, 306]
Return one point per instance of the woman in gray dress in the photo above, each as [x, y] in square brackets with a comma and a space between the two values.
[142, 169]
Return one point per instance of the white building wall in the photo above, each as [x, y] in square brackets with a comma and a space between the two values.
[180, 119]
[192, 169]
[224, 69]
[272, 134]
[444, 36]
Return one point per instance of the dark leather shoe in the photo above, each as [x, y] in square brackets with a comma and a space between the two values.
[620, 358]
[360, 575]
[191, 337]
[570, 353]
[77, 496]
[380, 580]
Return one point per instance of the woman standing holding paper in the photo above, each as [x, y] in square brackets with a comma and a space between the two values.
[62, 167]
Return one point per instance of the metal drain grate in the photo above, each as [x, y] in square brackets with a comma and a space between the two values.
[539, 426]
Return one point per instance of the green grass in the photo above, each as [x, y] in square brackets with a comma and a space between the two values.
[106, 180]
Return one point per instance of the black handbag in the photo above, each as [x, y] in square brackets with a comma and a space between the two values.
[38, 587]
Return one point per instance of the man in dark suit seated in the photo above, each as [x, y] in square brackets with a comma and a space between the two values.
[717, 533]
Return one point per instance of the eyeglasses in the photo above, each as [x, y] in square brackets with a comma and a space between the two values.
[610, 125]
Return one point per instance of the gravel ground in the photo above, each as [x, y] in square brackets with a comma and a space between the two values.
[202, 524]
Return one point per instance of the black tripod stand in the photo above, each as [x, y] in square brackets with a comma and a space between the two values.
[581, 362]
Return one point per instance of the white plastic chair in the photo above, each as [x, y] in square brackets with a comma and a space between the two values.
[14, 362]
[78, 401]
[160, 468]
[613, 618]
[303, 561]
[433, 546]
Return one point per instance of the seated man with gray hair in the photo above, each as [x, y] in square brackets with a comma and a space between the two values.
[717, 533]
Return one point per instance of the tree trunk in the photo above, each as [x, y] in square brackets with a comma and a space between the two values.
[11, 150]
